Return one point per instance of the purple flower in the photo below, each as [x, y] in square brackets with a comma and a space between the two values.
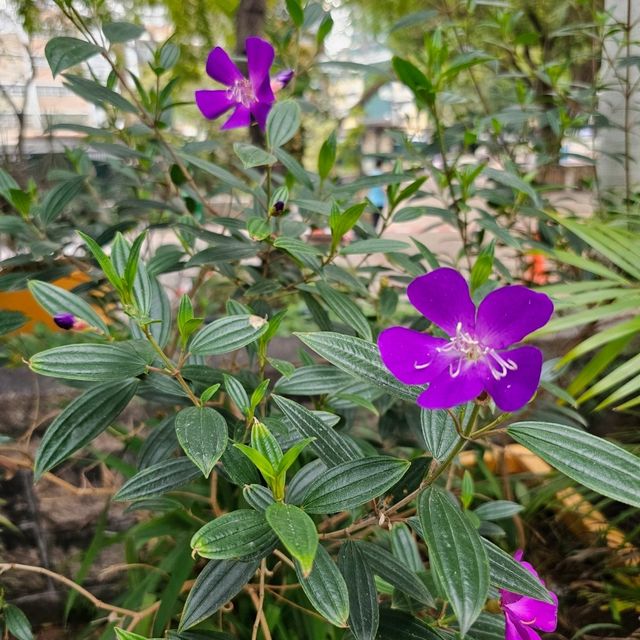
[65, 320]
[250, 97]
[523, 614]
[68, 321]
[282, 79]
[477, 356]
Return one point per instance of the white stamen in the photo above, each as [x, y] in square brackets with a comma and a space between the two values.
[241, 91]
[424, 365]
[454, 373]
[470, 348]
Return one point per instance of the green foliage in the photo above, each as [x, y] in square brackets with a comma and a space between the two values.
[213, 296]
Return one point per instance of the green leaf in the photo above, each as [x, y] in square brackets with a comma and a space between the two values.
[326, 589]
[7, 183]
[55, 300]
[121, 31]
[364, 613]
[135, 279]
[294, 168]
[456, 554]
[328, 445]
[93, 362]
[396, 624]
[259, 393]
[202, 434]
[235, 466]
[209, 392]
[358, 358]
[259, 459]
[296, 531]
[82, 420]
[295, 11]
[413, 78]
[97, 94]
[375, 245]
[341, 222]
[405, 548]
[498, 510]
[395, 572]
[593, 462]
[244, 534]
[103, 260]
[121, 634]
[236, 392]
[511, 180]
[228, 334]
[64, 52]
[439, 432]
[482, 267]
[324, 29]
[327, 156]
[292, 454]
[131, 267]
[17, 623]
[346, 309]
[508, 574]
[158, 479]
[353, 483]
[282, 123]
[10, 321]
[251, 156]
[313, 380]
[59, 197]
[218, 172]
[294, 246]
[218, 583]
[257, 496]
[262, 440]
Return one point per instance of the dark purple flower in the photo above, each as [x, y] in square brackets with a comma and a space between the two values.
[476, 357]
[282, 79]
[523, 614]
[250, 97]
[65, 320]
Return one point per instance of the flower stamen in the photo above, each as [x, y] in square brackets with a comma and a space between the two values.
[470, 348]
[424, 365]
[242, 91]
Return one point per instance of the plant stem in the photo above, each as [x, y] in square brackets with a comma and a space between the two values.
[170, 367]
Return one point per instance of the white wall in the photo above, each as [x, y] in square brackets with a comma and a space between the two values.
[615, 80]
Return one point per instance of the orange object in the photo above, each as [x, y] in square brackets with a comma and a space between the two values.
[24, 302]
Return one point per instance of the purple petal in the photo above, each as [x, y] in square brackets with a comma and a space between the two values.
[213, 103]
[535, 613]
[282, 79]
[241, 117]
[411, 356]
[516, 388]
[260, 56]
[260, 111]
[539, 614]
[448, 391]
[514, 630]
[509, 314]
[221, 68]
[443, 297]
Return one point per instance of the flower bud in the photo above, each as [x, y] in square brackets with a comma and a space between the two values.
[68, 321]
[281, 80]
[64, 320]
